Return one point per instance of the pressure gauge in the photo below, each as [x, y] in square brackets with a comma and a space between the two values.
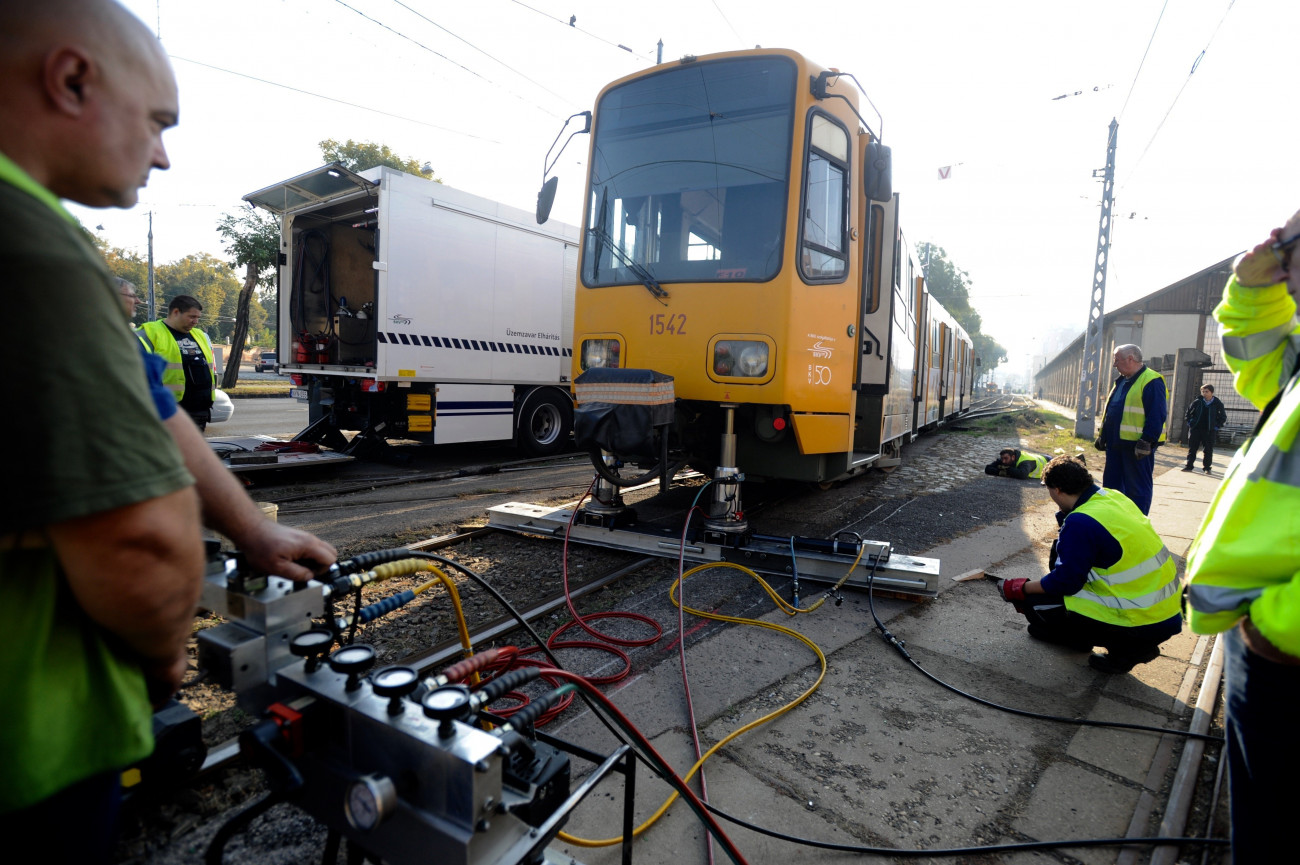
[370, 800]
[312, 645]
[394, 683]
[445, 705]
[352, 661]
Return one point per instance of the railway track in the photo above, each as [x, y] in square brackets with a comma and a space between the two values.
[910, 515]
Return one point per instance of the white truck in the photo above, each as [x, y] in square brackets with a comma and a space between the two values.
[411, 310]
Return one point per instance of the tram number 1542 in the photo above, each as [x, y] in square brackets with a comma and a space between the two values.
[661, 324]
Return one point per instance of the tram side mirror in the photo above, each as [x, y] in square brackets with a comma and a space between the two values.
[545, 199]
[878, 174]
[978, 362]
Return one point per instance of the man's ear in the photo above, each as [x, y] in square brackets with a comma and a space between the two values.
[68, 72]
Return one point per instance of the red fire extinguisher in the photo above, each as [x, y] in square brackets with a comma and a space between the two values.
[323, 342]
[300, 343]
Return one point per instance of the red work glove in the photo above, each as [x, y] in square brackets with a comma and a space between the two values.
[1014, 590]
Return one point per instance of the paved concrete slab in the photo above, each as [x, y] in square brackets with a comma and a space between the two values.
[1078, 802]
[1126, 755]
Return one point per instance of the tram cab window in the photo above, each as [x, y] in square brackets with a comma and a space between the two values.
[823, 237]
[689, 175]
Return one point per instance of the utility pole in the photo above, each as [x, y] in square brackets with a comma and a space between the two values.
[153, 315]
[1085, 412]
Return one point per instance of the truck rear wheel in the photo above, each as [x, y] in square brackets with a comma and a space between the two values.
[545, 424]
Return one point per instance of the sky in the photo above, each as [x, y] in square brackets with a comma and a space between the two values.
[1202, 91]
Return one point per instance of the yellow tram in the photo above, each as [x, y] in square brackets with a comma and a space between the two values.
[742, 260]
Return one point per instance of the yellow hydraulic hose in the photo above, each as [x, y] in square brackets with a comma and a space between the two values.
[785, 607]
[406, 567]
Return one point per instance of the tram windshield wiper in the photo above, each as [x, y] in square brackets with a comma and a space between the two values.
[642, 273]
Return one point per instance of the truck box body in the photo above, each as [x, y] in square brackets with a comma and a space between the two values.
[413, 310]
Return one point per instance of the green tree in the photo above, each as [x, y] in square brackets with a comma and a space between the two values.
[252, 238]
[124, 264]
[360, 155]
[205, 278]
[129, 266]
[950, 285]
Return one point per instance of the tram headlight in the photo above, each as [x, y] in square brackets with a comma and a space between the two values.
[740, 358]
[753, 360]
[600, 353]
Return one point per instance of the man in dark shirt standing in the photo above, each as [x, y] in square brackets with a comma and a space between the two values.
[191, 366]
[1205, 417]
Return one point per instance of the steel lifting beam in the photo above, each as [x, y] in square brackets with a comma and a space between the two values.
[894, 573]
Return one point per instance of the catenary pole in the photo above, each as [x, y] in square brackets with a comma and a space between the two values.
[1085, 413]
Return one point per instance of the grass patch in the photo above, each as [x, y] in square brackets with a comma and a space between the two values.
[1045, 431]
[260, 388]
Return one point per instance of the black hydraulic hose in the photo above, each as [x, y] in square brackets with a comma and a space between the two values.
[1015, 847]
[320, 275]
[899, 646]
[499, 686]
[598, 461]
[238, 823]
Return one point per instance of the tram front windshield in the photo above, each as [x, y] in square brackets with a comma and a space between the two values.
[690, 175]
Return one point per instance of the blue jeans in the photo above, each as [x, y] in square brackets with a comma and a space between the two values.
[1262, 704]
[1130, 475]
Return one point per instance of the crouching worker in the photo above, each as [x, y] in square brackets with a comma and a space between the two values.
[1113, 582]
[1015, 463]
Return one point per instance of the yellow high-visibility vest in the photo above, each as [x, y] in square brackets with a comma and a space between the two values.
[157, 337]
[1142, 587]
[1039, 461]
[1135, 413]
[1245, 559]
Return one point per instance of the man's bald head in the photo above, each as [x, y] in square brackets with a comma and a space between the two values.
[85, 94]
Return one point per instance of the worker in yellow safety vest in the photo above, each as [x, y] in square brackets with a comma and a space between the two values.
[1244, 565]
[1112, 582]
[191, 364]
[1133, 426]
[1015, 463]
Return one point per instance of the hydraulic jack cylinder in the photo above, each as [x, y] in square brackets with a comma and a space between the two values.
[725, 513]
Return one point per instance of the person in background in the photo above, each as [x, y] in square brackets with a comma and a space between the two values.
[130, 300]
[227, 508]
[1205, 417]
[1132, 427]
[1015, 463]
[1244, 564]
[191, 364]
[1112, 582]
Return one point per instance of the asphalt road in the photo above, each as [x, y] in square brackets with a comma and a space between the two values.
[280, 417]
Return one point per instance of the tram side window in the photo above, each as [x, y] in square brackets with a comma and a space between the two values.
[824, 241]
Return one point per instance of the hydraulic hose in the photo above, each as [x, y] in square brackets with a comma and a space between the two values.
[900, 647]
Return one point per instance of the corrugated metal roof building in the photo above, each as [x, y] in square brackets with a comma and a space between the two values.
[1179, 339]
